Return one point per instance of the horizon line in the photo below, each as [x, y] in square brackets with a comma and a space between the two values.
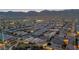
[27, 10]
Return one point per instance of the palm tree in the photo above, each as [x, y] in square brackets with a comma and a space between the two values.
[2, 35]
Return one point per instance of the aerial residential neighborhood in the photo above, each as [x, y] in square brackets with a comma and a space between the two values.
[44, 30]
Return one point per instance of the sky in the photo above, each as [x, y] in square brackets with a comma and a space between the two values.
[26, 10]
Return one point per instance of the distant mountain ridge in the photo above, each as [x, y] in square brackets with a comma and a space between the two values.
[68, 13]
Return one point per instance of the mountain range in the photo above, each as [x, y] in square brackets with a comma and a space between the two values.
[64, 13]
